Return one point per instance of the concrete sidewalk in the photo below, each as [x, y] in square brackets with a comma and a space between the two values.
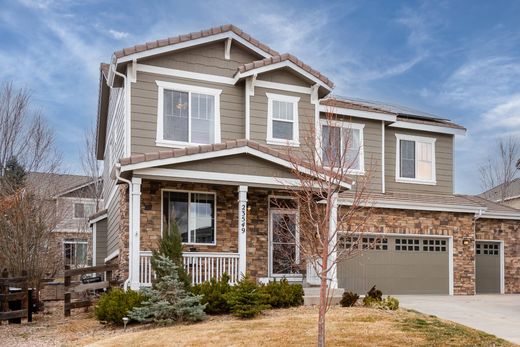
[494, 314]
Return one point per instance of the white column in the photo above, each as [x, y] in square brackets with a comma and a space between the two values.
[94, 243]
[242, 230]
[135, 229]
[333, 224]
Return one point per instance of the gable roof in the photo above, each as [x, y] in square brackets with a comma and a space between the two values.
[513, 191]
[493, 209]
[170, 41]
[242, 146]
[286, 57]
[55, 184]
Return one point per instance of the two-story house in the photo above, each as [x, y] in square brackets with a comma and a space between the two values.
[75, 198]
[193, 131]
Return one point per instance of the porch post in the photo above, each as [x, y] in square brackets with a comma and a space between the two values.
[242, 230]
[135, 237]
[333, 224]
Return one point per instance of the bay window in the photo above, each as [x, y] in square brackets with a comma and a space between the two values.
[415, 159]
[282, 120]
[342, 145]
[192, 214]
[187, 115]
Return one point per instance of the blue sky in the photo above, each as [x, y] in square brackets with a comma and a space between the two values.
[456, 59]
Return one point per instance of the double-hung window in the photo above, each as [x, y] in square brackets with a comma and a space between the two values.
[75, 253]
[282, 120]
[415, 159]
[187, 115]
[342, 145]
[192, 214]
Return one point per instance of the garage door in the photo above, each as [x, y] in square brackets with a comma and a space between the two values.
[487, 263]
[396, 265]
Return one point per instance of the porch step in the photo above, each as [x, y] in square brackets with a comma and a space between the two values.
[312, 296]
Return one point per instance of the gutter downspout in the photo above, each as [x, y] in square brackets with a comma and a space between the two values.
[130, 236]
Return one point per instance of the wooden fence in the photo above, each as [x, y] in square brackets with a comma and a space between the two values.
[83, 288]
[17, 297]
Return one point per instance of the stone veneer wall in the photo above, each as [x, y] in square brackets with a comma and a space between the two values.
[121, 274]
[458, 225]
[507, 231]
[227, 220]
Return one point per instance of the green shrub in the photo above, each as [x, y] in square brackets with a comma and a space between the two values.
[168, 301]
[280, 294]
[214, 294]
[116, 304]
[170, 246]
[245, 299]
[391, 303]
[349, 299]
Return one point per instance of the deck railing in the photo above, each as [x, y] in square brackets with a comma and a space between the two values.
[200, 266]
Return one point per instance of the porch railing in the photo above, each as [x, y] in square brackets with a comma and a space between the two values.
[200, 266]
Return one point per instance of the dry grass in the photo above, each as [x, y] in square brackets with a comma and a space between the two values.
[297, 327]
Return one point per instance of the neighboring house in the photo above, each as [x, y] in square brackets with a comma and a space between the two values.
[511, 194]
[193, 130]
[75, 200]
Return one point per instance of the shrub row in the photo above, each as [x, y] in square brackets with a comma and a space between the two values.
[246, 298]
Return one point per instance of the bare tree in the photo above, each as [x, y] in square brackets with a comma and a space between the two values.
[28, 213]
[328, 157]
[92, 167]
[500, 168]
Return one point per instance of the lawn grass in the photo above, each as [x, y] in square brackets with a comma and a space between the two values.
[297, 327]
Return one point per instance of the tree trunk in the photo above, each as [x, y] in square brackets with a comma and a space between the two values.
[323, 296]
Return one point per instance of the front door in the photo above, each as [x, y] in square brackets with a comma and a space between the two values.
[284, 255]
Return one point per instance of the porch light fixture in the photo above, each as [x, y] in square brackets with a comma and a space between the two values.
[465, 241]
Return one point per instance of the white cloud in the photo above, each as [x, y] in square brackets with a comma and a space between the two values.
[118, 35]
[506, 114]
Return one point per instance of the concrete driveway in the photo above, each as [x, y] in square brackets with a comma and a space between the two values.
[495, 314]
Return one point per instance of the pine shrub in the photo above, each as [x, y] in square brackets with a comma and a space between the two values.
[280, 294]
[170, 246]
[168, 301]
[246, 299]
[349, 299]
[116, 304]
[214, 294]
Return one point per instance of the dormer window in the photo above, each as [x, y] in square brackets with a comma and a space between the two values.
[282, 120]
[187, 115]
[415, 159]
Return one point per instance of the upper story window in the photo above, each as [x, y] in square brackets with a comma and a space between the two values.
[282, 120]
[193, 214]
[415, 159]
[83, 210]
[187, 115]
[342, 145]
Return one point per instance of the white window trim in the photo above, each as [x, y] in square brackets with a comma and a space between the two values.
[214, 243]
[347, 125]
[83, 203]
[398, 178]
[295, 142]
[75, 242]
[162, 85]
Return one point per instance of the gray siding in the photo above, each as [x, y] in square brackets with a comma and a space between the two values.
[237, 164]
[285, 76]
[207, 59]
[113, 215]
[65, 214]
[115, 137]
[101, 241]
[144, 110]
[443, 163]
